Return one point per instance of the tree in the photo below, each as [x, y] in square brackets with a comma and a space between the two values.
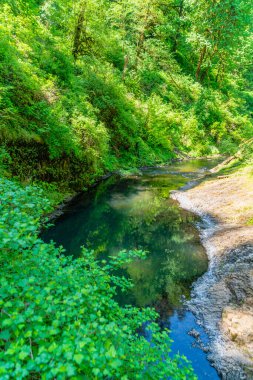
[218, 30]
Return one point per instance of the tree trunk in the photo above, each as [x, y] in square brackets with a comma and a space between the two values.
[126, 62]
[178, 33]
[141, 40]
[79, 30]
[200, 62]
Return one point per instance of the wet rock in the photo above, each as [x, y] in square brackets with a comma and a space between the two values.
[205, 349]
[194, 333]
[223, 301]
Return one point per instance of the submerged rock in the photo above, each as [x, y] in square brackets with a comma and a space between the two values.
[194, 333]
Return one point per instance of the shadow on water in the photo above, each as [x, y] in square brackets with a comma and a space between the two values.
[137, 213]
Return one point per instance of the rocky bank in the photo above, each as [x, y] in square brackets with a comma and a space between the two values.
[222, 299]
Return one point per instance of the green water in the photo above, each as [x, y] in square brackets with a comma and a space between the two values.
[137, 213]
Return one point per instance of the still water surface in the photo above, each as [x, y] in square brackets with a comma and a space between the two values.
[137, 213]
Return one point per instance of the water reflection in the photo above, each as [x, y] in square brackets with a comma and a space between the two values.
[137, 213]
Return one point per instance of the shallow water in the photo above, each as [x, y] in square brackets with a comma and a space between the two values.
[138, 213]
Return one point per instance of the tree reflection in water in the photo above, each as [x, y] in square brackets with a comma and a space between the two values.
[137, 213]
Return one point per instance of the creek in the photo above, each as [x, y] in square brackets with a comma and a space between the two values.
[137, 212]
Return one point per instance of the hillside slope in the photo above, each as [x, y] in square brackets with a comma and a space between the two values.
[97, 85]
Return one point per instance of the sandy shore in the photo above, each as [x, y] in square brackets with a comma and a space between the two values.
[223, 298]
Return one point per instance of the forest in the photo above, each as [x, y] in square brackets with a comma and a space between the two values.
[93, 86]
[87, 88]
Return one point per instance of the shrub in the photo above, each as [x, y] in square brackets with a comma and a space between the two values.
[59, 318]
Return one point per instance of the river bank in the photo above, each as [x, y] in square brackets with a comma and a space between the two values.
[134, 211]
[222, 299]
[59, 208]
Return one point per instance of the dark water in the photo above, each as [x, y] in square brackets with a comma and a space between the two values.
[137, 213]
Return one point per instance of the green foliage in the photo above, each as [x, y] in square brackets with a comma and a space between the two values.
[5, 161]
[100, 85]
[58, 316]
[217, 34]
[92, 138]
[88, 87]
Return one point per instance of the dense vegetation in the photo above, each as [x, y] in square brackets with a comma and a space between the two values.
[87, 87]
[91, 86]
[58, 317]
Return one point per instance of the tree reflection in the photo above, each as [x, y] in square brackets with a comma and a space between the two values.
[137, 213]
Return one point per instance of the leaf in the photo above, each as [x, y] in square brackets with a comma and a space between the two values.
[5, 334]
[78, 358]
[22, 355]
[96, 371]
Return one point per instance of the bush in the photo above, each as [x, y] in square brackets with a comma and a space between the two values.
[59, 318]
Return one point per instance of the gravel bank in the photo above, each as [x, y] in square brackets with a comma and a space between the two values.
[222, 299]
